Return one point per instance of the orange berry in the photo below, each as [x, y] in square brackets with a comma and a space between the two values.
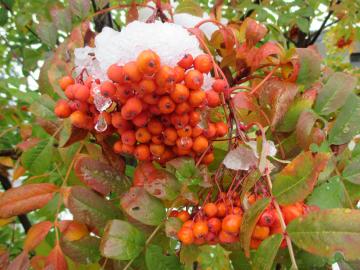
[267, 218]
[166, 105]
[123, 93]
[237, 211]
[132, 73]
[117, 147]
[157, 149]
[148, 62]
[128, 137]
[127, 149]
[186, 62]
[200, 228]
[62, 109]
[77, 105]
[81, 92]
[107, 89]
[212, 98]
[166, 156]
[203, 63]
[141, 119]
[179, 74]
[142, 152]
[65, 81]
[214, 224]
[185, 131]
[70, 91]
[180, 93]
[186, 236]
[221, 129]
[155, 126]
[151, 99]
[165, 77]
[183, 216]
[291, 212]
[157, 139]
[220, 86]
[194, 79]
[251, 199]
[116, 73]
[210, 131]
[255, 243]
[184, 143]
[200, 144]
[80, 119]
[261, 232]
[231, 223]
[227, 238]
[179, 121]
[210, 209]
[170, 134]
[182, 108]
[119, 122]
[146, 86]
[174, 213]
[197, 131]
[188, 224]
[131, 108]
[197, 98]
[195, 118]
[208, 158]
[221, 207]
[142, 135]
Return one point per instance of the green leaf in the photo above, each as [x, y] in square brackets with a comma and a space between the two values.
[303, 24]
[38, 159]
[297, 180]
[327, 232]
[249, 221]
[84, 250]
[90, 208]
[156, 260]
[239, 260]
[190, 7]
[162, 185]
[189, 255]
[43, 108]
[138, 204]
[353, 190]
[310, 62]
[334, 93]
[185, 170]
[265, 254]
[100, 176]
[3, 16]
[328, 195]
[214, 257]
[121, 241]
[80, 8]
[47, 32]
[347, 123]
[62, 18]
[172, 226]
[249, 182]
[306, 260]
[352, 171]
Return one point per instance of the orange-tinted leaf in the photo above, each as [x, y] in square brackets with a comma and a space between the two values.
[38, 262]
[6, 221]
[297, 180]
[258, 56]
[56, 259]
[132, 14]
[36, 234]
[73, 230]
[304, 128]
[115, 160]
[21, 262]
[254, 31]
[7, 162]
[21, 200]
[18, 172]
[100, 176]
[277, 95]
[25, 131]
[4, 258]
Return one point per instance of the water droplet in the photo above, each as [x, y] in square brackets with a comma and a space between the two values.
[101, 102]
[346, 128]
[101, 124]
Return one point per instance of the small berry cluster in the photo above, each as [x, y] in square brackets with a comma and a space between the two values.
[220, 222]
[158, 111]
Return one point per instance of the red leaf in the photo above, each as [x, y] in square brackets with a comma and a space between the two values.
[304, 128]
[56, 260]
[21, 200]
[254, 31]
[4, 258]
[36, 235]
[71, 134]
[38, 262]
[99, 176]
[260, 55]
[115, 160]
[279, 96]
[132, 14]
[25, 145]
[244, 100]
[21, 262]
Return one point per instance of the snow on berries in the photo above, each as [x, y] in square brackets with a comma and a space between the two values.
[157, 111]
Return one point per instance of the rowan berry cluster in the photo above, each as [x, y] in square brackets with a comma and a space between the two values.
[220, 222]
[158, 111]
